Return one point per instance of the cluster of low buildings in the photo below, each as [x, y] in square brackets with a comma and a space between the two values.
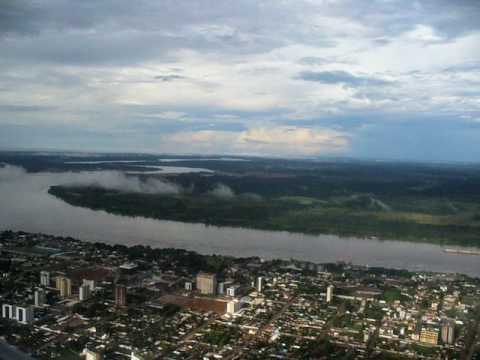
[90, 301]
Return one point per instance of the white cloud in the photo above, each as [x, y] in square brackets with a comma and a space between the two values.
[231, 66]
[273, 141]
[285, 140]
[423, 33]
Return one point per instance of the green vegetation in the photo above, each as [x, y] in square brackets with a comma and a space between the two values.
[437, 203]
[220, 335]
[359, 216]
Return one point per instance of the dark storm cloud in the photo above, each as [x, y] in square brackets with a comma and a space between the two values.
[121, 31]
[340, 77]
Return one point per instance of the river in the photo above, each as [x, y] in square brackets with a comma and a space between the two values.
[8, 352]
[26, 205]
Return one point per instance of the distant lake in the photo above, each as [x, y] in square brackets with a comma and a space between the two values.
[26, 205]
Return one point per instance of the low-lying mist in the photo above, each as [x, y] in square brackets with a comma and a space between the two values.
[108, 179]
[114, 180]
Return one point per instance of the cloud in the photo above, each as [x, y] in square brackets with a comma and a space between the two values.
[10, 173]
[298, 141]
[314, 60]
[25, 108]
[267, 141]
[169, 77]
[222, 191]
[115, 180]
[112, 180]
[424, 33]
[341, 77]
[93, 75]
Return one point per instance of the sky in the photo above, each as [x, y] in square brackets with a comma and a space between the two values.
[386, 79]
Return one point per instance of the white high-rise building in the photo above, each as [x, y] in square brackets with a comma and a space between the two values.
[39, 297]
[24, 315]
[259, 284]
[233, 306]
[83, 292]
[232, 291]
[89, 283]
[330, 293]
[44, 278]
[8, 311]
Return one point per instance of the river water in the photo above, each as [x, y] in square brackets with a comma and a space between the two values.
[26, 205]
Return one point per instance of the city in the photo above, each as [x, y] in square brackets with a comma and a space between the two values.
[66, 299]
[239, 180]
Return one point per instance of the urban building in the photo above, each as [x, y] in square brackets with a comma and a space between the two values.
[448, 332]
[92, 355]
[221, 288]
[135, 356]
[83, 292]
[329, 293]
[24, 315]
[232, 291]
[44, 278]
[120, 295]
[207, 283]
[64, 285]
[39, 297]
[89, 283]
[233, 306]
[8, 311]
[188, 286]
[259, 285]
[429, 336]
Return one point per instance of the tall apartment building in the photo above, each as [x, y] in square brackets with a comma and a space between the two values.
[89, 283]
[44, 278]
[448, 332]
[64, 285]
[233, 306]
[259, 284]
[207, 283]
[8, 311]
[22, 314]
[39, 297]
[329, 293]
[83, 292]
[120, 295]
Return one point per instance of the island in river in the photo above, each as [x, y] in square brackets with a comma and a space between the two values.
[436, 203]
[358, 215]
